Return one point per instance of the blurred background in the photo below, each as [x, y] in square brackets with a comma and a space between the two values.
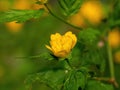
[19, 41]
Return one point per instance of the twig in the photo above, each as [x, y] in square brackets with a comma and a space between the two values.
[109, 80]
[59, 18]
[111, 66]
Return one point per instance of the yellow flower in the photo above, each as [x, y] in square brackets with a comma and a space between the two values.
[117, 57]
[61, 45]
[114, 38]
[91, 11]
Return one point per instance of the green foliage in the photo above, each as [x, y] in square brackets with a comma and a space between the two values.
[86, 61]
[59, 79]
[95, 59]
[114, 19]
[19, 15]
[117, 9]
[52, 78]
[75, 80]
[70, 7]
[97, 85]
[89, 36]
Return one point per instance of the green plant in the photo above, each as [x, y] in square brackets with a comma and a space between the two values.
[84, 67]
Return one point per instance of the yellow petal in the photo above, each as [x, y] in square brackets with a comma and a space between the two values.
[61, 54]
[48, 47]
[67, 45]
[55, 36]
[73, 37]
[56, 46]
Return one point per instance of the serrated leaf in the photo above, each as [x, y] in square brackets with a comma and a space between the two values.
[75, 80]
[70, 82]
[19, 15]
[70, 7]
[97, 85]
[52, 78]
[94, 59]
[81, 80]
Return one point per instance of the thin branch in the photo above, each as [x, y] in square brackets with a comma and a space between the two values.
[59, 18]
[69, 63]
[111, 65]
[109, 80]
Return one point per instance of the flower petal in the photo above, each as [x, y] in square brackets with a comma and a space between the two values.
[48, 47]
[73, 37]
[55, 36]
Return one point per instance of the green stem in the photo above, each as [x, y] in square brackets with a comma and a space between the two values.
[111, 64]
[61, 18]
[30, 57]
[101, 79]
[69, 64]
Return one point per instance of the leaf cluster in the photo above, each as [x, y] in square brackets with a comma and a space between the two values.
[19, 15]
[89, 36]
[70, 7]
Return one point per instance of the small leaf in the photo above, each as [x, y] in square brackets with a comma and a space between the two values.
[19, 15]
[81, 80]
[75, 80]
[70, 82]
[70, 7]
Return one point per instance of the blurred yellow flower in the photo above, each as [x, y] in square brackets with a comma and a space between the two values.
[61, 45]
[14, 26]
[114, 38]
[117, 57]
[91, 11]
[18, 4]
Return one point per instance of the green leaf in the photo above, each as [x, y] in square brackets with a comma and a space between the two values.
[19, 15]
[52, 78]
[75, 80]
[70, 82]
[97, 85]
[95, 60]
[114, 19]
[89, 36]
[70, 7]
[81, 80]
